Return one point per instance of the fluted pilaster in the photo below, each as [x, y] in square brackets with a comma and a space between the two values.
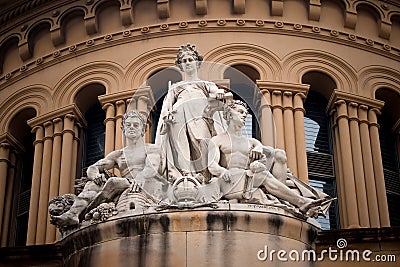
[370, 187]
[358, 165]
[44, 183]
[110, 128]
[277, 111]
[4, 162]
[267, 120]
[119, 138]
[55, 173]
[378, 168]
[36, 174]
[66, 156]
[290, 141]
[358, 160]
[347, 164]
[301, 154]
[339, 170]
[5, 231]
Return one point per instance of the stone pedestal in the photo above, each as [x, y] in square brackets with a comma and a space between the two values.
[230, 235]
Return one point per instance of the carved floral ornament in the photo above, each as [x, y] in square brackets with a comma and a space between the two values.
[166, 175]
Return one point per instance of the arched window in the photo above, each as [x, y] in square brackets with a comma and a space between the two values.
[18, 189]
[318, 141]
[94, 133]
[243, 87]
[389, 141]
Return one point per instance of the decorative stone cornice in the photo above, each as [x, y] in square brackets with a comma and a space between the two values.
[58, 113]
[283, 86]
[175, 28]
[9, 139]
[113, 98]
[349, 97]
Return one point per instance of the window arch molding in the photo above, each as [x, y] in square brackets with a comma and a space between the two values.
[296, 64]
[109, 74]
[264, 61]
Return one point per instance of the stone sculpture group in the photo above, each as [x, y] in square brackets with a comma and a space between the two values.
[190, 165]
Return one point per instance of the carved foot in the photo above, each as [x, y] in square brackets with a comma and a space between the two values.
[314, 203]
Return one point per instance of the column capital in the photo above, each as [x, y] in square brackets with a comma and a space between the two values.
[58, 126]
[363, 114]
[287, 100]
[350, 97]
[353, 111]
[341, 108]
[36, 128]
[131, 102]
[276, 92]
[108, 105]
[282, 86]
[276, 99]
[58, 113]
[120, 103]
[287, 93]
[264, 103]
[10, 139]
[57, 120]
[298, 102]
[372, 117]
[5, 145]
[69, 116]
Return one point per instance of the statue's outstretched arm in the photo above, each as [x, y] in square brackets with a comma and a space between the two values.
[95, 171]
[216, 92]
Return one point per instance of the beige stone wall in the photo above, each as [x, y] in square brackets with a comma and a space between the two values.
[51, 53]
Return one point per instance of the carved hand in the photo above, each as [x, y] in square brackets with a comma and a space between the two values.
[99, 179]
[135, 188]
[220, 95]
[256, 153]
[226, 176]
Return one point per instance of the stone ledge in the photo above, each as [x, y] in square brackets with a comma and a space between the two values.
[205, 229]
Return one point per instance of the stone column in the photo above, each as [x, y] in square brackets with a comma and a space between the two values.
[110, 128]
[347, 165]
[8, 199]
[66, 156]
[278, 118]
[358, 165]
[55, 173]
[118, 123]
[36, 174]
[339, 170]
[301, 153]
[142, 106]
[290, 141]
[4, 162]
[378, 168]
[267, 120]
[75, 146]
[370, 187]
[44, 183]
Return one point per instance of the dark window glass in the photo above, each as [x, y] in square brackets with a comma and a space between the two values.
[319, 154]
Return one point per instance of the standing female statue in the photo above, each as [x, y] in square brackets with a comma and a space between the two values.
[182, 131]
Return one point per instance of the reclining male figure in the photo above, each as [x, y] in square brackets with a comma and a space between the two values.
[137, 162]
